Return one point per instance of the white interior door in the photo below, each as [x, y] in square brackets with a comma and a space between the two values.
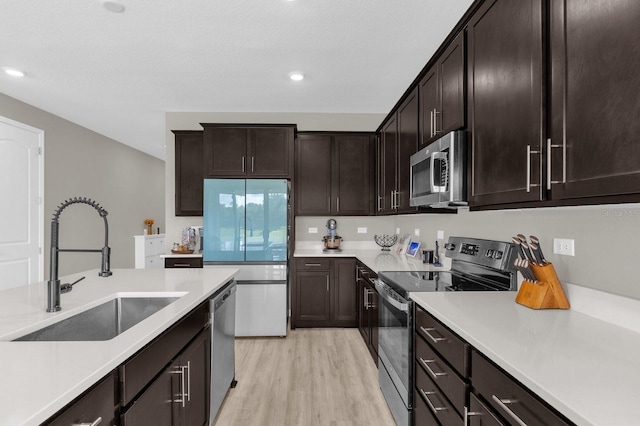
[21, 215]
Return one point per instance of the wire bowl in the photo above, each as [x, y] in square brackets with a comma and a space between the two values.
[385, 241]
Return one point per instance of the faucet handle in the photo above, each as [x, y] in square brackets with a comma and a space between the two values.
[66, 288]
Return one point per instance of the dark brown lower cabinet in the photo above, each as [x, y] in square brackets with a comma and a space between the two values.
[99, 402]
[367, 302]
[324, 293]
[480, 415]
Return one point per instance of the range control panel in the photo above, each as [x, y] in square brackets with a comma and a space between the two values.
[494, 254]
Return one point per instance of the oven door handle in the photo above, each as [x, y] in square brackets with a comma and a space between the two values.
[404, 307]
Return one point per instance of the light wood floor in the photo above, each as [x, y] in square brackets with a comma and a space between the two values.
[313, 376]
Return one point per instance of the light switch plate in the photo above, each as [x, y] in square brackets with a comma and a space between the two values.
[441, 235]
[362, 230]
[398, 231]
[313, 230]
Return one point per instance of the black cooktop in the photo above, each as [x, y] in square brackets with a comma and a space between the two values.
[405, 282]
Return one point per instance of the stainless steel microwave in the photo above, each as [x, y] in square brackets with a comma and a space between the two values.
[438, 173]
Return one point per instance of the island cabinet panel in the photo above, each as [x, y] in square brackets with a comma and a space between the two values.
[334, 173]
[189, 173]
[367, 308]
[257, 151]
[505, 101]
[98, 402]
[595, 58]
[442, 94]
[324, 293]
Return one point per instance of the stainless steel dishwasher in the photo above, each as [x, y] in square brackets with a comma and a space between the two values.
[223, 333]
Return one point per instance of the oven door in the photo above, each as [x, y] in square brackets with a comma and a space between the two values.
[395, 349]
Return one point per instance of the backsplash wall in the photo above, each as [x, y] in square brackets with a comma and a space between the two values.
[606, 252]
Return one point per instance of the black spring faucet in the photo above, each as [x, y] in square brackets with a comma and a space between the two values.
[53, 285]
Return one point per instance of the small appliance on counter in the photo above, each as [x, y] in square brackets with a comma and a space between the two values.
[332, 240]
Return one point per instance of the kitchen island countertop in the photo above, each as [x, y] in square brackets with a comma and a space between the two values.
[40, 378]
[586, 368]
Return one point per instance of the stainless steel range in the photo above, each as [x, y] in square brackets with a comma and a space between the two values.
[476, 265]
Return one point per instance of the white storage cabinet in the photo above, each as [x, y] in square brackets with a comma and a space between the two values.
[148, 249]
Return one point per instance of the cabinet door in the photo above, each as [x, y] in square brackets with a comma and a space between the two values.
[451, 115]
[225, 151]
[387, 166]
[196, 358]
[156, 406]
[344, 292]
[408, 135]
[594, 98]
[189, 173]
[314, 303]
[429, 103]
[270, 154]
[505, 72]
[98, 402]
[352, 175]
[313, 175]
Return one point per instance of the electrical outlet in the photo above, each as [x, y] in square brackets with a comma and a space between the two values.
[416, 232]
[398, 231]
[441, 235]
[313, 230]
[564, 246]
[362, 230]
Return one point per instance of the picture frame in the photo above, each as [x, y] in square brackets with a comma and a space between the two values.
[413, 249]
[403, 244]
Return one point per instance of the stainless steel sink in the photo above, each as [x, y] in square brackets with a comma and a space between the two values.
[103, 322]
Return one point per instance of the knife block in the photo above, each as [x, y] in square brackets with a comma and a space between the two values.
[547, 293]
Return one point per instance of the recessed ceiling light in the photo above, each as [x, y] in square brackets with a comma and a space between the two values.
[113, 6]
[296, 76]
[14, 72]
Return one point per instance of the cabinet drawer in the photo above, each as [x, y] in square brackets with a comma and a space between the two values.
[151, 262]
[480, 415]
[508, 397]
[183, 262]
[454, 388]
[444, 341]
[154, 246]
[438, 404]
[139, 370]
[422, 415]
[100, 401]
[313, 264]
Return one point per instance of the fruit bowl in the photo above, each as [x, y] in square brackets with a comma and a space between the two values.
[385, 241]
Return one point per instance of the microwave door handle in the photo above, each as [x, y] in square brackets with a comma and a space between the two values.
[432, 183]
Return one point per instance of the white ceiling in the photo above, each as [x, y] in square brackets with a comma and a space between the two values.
[117, 74]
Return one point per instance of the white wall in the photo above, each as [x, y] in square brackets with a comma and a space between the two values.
[605, 237]
[128, 183]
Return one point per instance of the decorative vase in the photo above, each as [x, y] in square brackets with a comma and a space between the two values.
[149, 229]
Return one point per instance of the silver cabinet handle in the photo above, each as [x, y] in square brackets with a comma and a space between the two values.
[435, 121]
[431, 123]
[243, 164]
[426, 363]
[392, 202]
[327, 283]
[312, 264]
[503, 404]
[431, 336]
[379, 200]
[337, 204]
[181, 265]
[188, 368]
[252, 161]
[96, 422]
[433, 407]
[529, 152]
[564, 163]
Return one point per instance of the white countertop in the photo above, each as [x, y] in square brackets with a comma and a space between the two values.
[39, 378]
[586, 368]
[172, 255]
[376, 259]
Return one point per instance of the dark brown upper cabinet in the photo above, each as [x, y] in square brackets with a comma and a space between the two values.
[260, 151]
[189, 173]
[594, 147]
[334, 173]
[398, 141]
[442, 94]
[505, 102]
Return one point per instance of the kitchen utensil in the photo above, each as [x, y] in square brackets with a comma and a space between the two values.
[427, 256]
[535, 240]
[385, 241]
[545, 293]
[535, 249]
[527, 251]
[332, 240]
[436, 256]
[516, 241]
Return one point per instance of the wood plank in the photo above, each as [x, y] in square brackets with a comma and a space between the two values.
[314, 376]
